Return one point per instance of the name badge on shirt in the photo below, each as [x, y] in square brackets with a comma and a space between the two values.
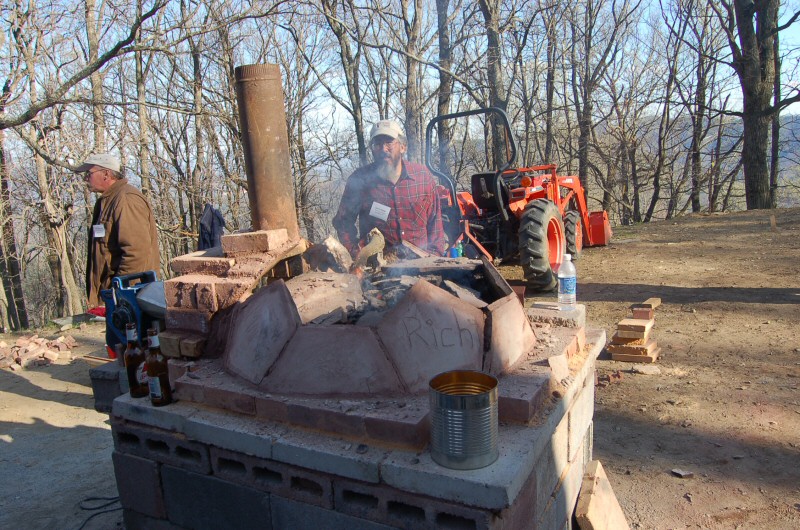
[379, 211]
[98, 231]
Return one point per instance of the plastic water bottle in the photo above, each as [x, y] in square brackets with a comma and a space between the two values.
[567, 282]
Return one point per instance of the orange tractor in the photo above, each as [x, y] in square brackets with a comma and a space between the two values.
[529, 211]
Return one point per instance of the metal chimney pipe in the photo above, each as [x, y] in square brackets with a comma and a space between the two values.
[266, 148]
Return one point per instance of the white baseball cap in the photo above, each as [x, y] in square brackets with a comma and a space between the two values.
[103, 160]
[388, 128]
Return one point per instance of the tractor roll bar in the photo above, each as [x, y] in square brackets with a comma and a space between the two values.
[447, 181]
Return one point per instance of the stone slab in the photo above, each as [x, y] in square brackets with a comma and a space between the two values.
[509, 334]
[429, 332]
[319, 293]
[346, 360]
[261, 327]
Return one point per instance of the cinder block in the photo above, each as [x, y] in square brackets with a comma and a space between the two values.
[140, 411]
[138, 521]
[139, 485]
[287, 513]
[550, 465]
[521, 515]
[160, 446]
[550, 313]
[182, 319]
[580, 417]
[234, 433]
[109, 381]
[274, 477]
[399, 509]
[254, 242]
[202, 502]
[558, 512]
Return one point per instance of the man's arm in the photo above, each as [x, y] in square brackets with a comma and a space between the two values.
[345, 219]
[133, 235]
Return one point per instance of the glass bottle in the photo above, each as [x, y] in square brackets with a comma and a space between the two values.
[135, 363]
[157, 372]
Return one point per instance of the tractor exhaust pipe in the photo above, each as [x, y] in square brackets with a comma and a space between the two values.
[266, 148]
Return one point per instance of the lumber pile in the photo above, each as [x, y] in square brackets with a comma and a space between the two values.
[33, 350]
[632, 341]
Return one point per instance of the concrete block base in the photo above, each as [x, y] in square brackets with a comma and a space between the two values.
[108, 382]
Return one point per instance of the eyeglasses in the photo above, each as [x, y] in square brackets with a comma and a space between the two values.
[382, 143]
[88, 174]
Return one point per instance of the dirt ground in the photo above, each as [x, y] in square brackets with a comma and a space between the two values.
[725, 407]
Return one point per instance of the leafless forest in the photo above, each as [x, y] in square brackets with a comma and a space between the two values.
[661, 109]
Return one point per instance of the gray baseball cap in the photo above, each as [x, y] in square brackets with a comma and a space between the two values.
[103, 160]
[388, 128]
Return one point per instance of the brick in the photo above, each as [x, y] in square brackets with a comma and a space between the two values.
[324, 419]
[632, 324]
[203, 502]
[649, 358]
[642, 313]
[254, 242]
[192, 346]
[229, 398]
[272, 408]
[139, 485]
[633, 349]
[160, 446]
[170, 342]
[522, 394]
[274, 477]
[196, 321]
[210, 261]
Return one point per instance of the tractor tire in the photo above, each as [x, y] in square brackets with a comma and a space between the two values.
[573, 232]
[541, 244]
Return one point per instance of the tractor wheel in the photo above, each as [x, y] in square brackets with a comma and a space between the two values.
[573, 230]
[541, 244]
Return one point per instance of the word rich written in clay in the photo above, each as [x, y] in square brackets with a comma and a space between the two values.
[435, 335]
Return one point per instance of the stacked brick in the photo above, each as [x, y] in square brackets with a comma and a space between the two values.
[633, 342]
[212, 280]
[34, 351]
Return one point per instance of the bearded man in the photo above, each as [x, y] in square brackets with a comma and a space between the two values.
[391, 194]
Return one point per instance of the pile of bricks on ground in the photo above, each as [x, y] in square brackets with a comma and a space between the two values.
[34, 351]
[632, 342]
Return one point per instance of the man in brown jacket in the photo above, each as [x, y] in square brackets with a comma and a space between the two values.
[122, 237]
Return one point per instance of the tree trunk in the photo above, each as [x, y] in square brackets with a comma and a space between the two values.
[494, 68]
[96, 78]
[445, 85]
[413, 101]
[11, 274]
[776, 131]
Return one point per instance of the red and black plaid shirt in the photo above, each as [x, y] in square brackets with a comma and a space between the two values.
[414, 214]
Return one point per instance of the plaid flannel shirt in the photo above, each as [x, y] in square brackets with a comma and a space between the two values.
[414, 216]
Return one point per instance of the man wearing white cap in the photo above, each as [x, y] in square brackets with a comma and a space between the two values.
[122, 237]
[391, 194]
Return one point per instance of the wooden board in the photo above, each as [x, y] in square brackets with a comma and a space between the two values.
[598, 507]
[633, 349]
[647, 359]
[634, 324]
[625, 334]
[650, 303]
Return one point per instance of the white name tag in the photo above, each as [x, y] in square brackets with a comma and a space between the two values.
[98, 231]
[379, 211]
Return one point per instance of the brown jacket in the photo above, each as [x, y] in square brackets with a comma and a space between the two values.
[130, 242]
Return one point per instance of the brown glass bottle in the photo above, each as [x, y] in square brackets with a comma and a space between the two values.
[157, 372]
[134, 363]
